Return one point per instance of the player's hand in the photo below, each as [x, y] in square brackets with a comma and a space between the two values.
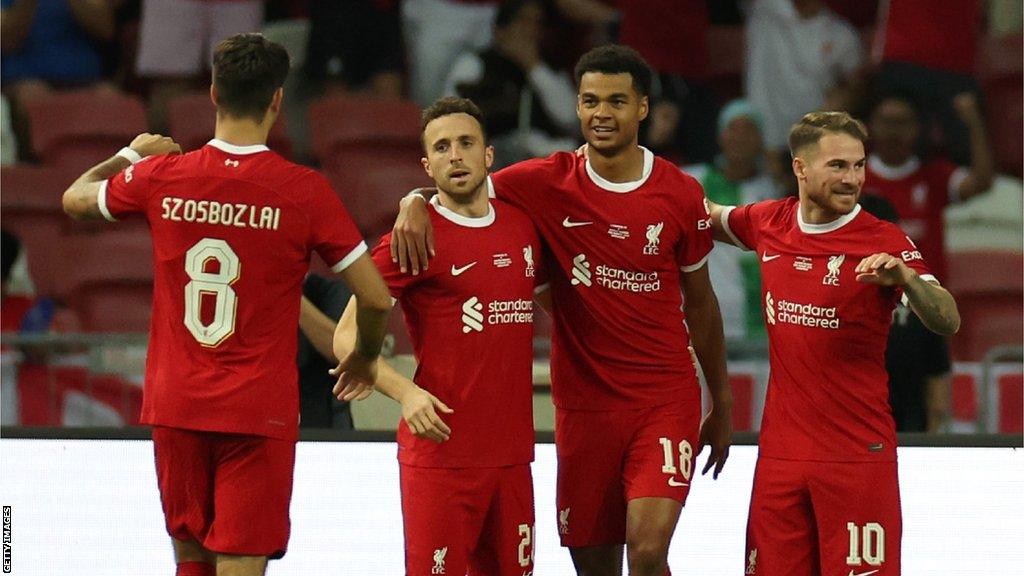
[967, 109]
[356, 376]
[582, 151]
[885, 270]
[716, 431]
[419, 410]
[412, 238]
[147, 144]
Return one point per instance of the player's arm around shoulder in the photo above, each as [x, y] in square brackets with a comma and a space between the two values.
[82, 199]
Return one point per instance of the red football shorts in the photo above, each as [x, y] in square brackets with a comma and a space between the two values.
[228, 492]
[476, 521]
[607, 458]
[827, 518]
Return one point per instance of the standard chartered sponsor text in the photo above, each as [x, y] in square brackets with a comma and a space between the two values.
[807, 315]
[510, 312]
[628, 280]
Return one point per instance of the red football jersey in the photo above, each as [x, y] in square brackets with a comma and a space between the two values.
[470, 320]
[233, 229]
[920, 194]
[828, 393]
[614, 253]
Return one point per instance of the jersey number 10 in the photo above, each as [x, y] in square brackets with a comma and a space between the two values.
[216, 284]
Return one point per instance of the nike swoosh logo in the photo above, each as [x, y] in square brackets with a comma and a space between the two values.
[570, 224]
[674, 482]
[457, 271]
[766, 258]
[863, 573]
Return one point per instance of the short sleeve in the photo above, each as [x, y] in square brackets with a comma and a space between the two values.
[906, 250]
[333, 234]
[396, 280]
[696, 241]
[518, 184]
[128, 191]
[743, 224]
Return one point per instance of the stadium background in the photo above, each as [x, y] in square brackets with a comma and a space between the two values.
[77, 308]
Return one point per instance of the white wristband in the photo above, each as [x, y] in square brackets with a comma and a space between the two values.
[129, 155]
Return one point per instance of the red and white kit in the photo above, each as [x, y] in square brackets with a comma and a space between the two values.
[233, 229]
[467, 503]
[828, 441]
[619, 346]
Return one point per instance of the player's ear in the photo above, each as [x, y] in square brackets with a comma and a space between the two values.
[275, 103]
[799, 168]
[488, 157]
[645, 107]
[579, 113]
[426, 167]
[213, 94]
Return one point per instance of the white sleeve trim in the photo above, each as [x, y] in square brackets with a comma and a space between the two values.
[725, 226]
[955, 180]
[101, 200]
[541, 288]
[697, 265]
[352, 256]
[927, 278]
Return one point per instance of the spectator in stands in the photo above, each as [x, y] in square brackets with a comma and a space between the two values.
[176, 42]
[672, 36]
[530, 107]
[436, 32]
[50, 45]
[355, 46]
[800, 57]
[921, 189]
[737, 177]
[916, 358]
[928, 50]
[323, 301]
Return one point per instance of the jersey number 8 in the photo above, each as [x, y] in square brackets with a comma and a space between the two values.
[215, 284]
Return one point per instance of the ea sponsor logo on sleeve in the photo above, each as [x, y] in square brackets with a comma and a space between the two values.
[498, 312]
[800, 314]
[613, 278]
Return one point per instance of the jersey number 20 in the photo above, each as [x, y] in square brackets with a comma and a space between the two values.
[216, 284]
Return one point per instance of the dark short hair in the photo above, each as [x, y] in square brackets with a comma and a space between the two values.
[509, 9]
[899, 96]
[247, 70]
[617, 59]
[451, 105]
[810, 129]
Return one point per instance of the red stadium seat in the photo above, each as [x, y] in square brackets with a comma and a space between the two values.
[1011, 403]
[79, 129]
[989, 288]
[965, 397]
[30, 204]
[114, 306]
[999, 57]
[192, 119]
[112, 257]
[743, 401]
[340, 126]
[371, 192]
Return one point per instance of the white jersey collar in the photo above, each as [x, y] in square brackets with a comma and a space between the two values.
[875, 164]
[623, 187]
[238, 150]
[828, 226]
[481, 222]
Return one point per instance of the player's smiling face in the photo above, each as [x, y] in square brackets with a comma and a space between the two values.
[610, 111]
[831, 173]
[457, 155]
